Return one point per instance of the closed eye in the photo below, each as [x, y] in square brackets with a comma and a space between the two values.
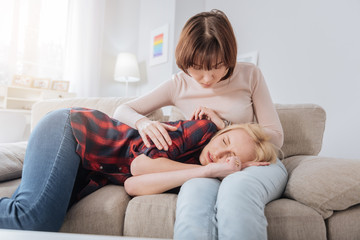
[219, 65]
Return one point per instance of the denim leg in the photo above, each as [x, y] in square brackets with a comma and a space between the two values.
[242, 198]
[49, 172]
[195, 210]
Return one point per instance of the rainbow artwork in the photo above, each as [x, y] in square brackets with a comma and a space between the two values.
[158, 45]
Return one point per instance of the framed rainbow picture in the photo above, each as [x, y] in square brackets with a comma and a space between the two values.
[159, 45]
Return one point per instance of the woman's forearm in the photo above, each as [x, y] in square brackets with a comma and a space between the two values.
[127, 115]
[160, 182]
[145, 165]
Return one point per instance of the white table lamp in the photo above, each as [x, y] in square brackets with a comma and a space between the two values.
[126, 69]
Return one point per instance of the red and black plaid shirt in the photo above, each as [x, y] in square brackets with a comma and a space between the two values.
[107, 147]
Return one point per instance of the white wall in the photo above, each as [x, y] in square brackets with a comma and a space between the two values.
[121, 29]
[309, 52]
[154, 14]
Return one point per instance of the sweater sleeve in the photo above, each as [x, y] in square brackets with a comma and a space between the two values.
[264, 108]
[130, 112]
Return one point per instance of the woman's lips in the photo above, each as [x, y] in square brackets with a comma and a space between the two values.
[205, 85]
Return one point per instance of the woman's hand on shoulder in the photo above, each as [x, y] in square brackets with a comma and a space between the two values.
[209, 114]
[156, 131]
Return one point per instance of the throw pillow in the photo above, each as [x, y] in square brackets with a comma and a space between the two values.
[325, 184]
[11, 159]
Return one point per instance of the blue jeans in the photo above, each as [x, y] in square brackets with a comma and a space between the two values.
[49, 172]
[232, 209]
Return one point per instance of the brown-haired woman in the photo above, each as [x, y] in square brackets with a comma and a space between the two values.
[213, 85]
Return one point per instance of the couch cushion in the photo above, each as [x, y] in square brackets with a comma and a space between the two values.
[151, 216]
[288, 219]
[11, 160]
[8, 188]
[344, 224]
[101, 212]
[303, 126]
[325, 184]
[107, 105]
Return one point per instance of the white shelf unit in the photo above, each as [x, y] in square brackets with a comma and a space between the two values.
[23, 98]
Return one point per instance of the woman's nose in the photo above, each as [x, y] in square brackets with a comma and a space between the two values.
[208, 76]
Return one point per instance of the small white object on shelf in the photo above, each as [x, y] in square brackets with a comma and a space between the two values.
[23, 98]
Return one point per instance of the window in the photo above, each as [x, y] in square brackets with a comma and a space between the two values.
[33, 38]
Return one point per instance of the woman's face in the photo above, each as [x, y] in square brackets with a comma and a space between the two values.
[208, 78]
[236, 142]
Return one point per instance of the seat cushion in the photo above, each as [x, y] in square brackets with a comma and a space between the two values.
[101, 212]
[325, 184]
[344, 224]
[291, 220]
[151, 216]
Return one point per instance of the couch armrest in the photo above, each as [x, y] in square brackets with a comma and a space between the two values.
[325, 184]
[11, 160]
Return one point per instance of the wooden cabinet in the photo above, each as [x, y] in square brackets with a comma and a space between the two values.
[22, 98]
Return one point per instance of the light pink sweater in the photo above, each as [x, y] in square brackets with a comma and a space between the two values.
[242, 98]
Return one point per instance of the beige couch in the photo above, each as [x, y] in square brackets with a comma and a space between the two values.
[321, 200]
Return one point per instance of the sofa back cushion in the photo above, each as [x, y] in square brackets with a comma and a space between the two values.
[107, 105]
[303, 126]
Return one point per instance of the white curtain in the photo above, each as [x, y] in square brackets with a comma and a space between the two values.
[32, 41]
[84, 46]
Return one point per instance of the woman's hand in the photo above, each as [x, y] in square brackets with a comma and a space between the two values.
[231, 165]
[209, 114]
[250, 164]
[223, 169]
[156, 131]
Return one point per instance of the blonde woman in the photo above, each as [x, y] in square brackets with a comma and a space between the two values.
[213, 85]
[73, 152]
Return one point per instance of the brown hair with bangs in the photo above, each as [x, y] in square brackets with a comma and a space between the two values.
[205, 37]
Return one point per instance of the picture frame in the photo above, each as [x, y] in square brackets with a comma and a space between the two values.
[159, 45]
[43, 83]
[250, 57]
[22, 80]
[60, 86]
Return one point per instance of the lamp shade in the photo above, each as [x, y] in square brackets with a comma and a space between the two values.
[126, 68]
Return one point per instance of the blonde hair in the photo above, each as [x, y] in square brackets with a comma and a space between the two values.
[265, 151]
[205, 38]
